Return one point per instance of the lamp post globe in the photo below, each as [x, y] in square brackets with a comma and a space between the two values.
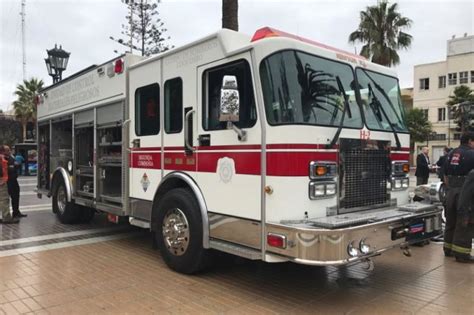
[56, 62]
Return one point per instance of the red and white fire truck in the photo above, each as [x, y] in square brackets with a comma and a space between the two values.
[271, 147]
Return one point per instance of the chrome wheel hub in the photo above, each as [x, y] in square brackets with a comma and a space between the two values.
[61, 200]
[175, 232]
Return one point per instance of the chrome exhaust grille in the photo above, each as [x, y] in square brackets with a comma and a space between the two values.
[365, 171]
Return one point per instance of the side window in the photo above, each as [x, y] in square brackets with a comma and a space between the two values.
[212, 83]
[174, 105]
[147, 110]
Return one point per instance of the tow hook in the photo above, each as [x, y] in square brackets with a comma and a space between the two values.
[405, 250]
[369, 264]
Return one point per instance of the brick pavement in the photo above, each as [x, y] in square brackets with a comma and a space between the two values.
[128, 277]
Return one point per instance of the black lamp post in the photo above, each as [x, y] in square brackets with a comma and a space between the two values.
[56, 62]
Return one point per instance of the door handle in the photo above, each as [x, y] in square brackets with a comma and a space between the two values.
[187, 143]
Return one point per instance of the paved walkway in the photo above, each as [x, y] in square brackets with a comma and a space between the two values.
[102, 268]
[126, 276]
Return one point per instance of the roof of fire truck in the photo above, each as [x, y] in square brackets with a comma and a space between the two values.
[234, 42]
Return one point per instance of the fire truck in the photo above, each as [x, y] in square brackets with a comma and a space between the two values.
[271, 147]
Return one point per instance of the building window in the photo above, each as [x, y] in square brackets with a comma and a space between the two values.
[425, 113]
[441, 114]
[425, 84]
[439, 137]
[457, 136]
[463, 78]
[174, 105]
[452, 78]
[442, 82]
[147, 110]
[472, 76]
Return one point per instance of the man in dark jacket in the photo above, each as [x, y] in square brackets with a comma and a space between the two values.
[460, 162]
[441, 161]
[464, 232]
[13, 187]
[422, 167]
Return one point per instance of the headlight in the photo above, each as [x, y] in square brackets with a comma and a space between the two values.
[322, 169]
[400, 167]
[364, 247]
[351, 250]
[331, 189]
[319, 190]
[397, 184]
[405, 182]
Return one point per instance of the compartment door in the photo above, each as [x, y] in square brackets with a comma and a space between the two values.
[146, 129]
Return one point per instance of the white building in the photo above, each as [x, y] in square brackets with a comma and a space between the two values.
[434, 83]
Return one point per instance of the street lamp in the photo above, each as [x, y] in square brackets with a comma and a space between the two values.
[56, 62]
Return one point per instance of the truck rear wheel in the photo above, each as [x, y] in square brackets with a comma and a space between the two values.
[66, 211]
[179, 232]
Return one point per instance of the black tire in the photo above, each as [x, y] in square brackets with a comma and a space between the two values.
[86, 214]
[187, 255]
[65, 211]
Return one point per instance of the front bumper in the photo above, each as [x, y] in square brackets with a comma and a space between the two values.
[309, 244]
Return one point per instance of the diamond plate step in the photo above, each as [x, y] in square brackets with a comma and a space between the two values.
[234, 249]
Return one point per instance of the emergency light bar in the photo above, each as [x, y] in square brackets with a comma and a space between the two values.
[268, 32]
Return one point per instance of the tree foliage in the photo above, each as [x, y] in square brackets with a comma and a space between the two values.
[463, 119]
[230, 16]
[10, 131]
[144, 30]
[380, 30]
[24, 106]
[418, 126]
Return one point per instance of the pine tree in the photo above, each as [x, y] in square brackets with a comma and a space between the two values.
[144, 30]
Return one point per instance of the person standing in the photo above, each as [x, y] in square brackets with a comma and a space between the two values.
[13, 187]
[20, 160]
[464, 231]
[422, 167]
[4, 198]
[459, 163]
[441, 162]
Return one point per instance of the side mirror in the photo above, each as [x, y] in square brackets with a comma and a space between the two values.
[230, 100]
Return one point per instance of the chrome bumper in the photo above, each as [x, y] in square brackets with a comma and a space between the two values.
[310, 245]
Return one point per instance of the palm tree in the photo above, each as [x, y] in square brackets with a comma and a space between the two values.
[24, 105]
[230, 17]
[380, 30]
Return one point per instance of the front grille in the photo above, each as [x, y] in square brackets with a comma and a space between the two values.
[365, 171]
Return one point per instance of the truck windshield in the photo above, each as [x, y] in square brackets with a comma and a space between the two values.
[299, 88]
[381, 101]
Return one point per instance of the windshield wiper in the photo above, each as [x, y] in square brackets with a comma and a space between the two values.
[346, 108]
[376, 102]
[384, 94]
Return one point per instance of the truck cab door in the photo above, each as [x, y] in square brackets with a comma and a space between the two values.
[229, 167]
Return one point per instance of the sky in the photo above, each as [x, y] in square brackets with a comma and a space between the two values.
[83, 28]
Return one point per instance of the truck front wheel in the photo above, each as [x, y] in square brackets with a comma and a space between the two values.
[179, 232]
[66, 211]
